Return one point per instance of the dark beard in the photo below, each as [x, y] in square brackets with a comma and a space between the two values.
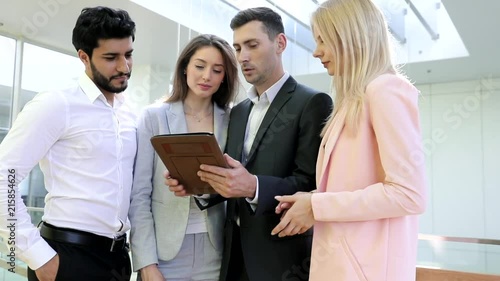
[104, 83]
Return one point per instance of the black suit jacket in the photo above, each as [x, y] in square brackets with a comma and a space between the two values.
[283, 156]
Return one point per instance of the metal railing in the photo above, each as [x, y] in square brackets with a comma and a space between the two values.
[431, 237]
[459, 258]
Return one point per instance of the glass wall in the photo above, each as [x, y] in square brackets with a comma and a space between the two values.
[7, 67]
[7, 57]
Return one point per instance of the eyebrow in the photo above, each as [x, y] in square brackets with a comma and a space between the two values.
[115, 54]
[246, 42]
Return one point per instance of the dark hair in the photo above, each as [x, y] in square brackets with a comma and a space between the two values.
[273, 25]
[227, 89]
[98, 23]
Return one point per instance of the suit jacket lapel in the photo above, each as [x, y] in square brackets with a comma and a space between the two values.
[238, 127]
[328, 144]
[176, 119]
[220, 128]
[275, 108]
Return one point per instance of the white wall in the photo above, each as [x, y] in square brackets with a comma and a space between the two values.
[147, 84]
[462, 144]
[461, 133]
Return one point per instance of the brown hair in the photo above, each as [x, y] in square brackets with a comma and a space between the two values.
[227, 89]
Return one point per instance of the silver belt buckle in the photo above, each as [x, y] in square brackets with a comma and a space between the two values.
[119, 243]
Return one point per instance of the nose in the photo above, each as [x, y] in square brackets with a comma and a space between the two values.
[124, 65]
[206, 74]
[317, 53]
[243, 56]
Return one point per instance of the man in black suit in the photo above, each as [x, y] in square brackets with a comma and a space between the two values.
[275, 135]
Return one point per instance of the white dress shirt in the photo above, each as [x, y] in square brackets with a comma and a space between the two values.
[197, 219]
[260, 106]
[86, 150]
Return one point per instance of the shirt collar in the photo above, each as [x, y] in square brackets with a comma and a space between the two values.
[93, 93]
[270, 93]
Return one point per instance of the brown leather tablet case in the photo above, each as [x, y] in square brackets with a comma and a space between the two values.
[183, 154]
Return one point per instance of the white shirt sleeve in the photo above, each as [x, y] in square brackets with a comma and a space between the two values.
[40, 124]
[253, 202]
[202, 199]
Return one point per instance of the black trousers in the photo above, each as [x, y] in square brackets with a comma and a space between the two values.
[83, 263]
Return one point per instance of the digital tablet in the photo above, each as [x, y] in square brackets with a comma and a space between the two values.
[183, 154]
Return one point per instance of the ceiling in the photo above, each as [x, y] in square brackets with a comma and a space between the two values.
[50, 22]
[51, 25]
[478, 24]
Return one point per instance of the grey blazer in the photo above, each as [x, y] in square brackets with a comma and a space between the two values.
[158, 218]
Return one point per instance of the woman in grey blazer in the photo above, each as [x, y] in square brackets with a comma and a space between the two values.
[171, 237]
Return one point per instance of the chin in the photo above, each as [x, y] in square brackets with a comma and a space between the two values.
[120, 89]
[204, 95]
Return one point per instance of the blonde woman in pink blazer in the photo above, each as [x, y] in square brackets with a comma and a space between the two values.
[370, 168]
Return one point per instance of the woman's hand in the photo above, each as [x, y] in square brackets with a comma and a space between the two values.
[298, 218]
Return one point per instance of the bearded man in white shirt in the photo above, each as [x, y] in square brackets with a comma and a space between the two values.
[84, 139]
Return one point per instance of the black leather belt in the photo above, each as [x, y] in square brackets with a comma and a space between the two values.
[82, 238]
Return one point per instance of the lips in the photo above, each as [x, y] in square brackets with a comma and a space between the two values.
[247, 70]
[204, 87]
[121, 77]
[325, 64]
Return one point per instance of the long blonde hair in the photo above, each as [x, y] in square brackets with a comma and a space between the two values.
[357, 34]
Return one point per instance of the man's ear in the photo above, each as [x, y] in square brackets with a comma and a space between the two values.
[84, 57]
[281, 42]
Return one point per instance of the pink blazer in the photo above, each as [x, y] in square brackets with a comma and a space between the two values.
[370, 189]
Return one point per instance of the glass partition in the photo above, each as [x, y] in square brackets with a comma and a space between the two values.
[7, 57]
[468, 255]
